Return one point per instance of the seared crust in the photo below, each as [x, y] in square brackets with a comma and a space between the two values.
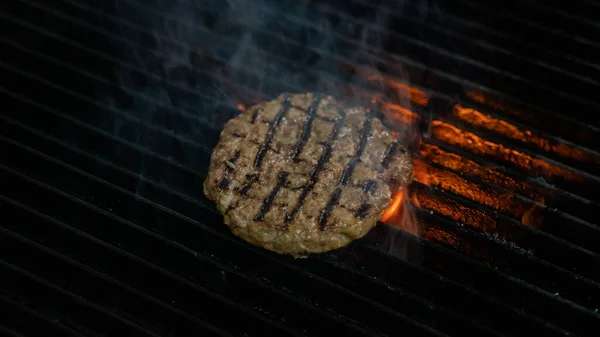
[301, 175]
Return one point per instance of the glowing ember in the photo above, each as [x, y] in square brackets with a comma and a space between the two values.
[415, 95]
[452, 135]
[488, 100]
[457, 163]
[509, 130]
[241, 107]
[400, 114]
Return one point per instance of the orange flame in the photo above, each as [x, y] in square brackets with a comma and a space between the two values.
[400, 213]
[394, 207]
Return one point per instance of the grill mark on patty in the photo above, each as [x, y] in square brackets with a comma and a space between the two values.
[366, 198]
[224, 182]
[312, 112]
[364, 136]
[250, 180]
[314, 172]
[334, 198]
[271, 133]
[388, 155]
[269, 199]
[369, 186]
[363, 210]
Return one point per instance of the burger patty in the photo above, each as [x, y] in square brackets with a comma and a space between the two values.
[300, 174]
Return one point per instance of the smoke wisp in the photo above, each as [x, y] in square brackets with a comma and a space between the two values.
[188, 64]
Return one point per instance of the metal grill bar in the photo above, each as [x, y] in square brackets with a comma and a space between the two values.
[20, 314]
[233, 282]
[482, 68]
[533, 20]
[126, 206]
[295, 88]
[203, 31]
[86, 311]
[192, 120]
[467, 25]
[458, 47]
[54, 267]
[304, 23]
[151, 188]
[206, 158]
[477, 31]
[57, 191]
[557, 279]
[532, 14]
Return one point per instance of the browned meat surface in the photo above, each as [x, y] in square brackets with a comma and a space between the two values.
[301, 175]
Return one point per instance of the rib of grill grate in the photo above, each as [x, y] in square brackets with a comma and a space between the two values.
[113, 233]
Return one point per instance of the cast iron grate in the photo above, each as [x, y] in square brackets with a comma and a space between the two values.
[108, 122]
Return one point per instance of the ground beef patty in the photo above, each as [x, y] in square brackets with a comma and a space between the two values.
[301, 175]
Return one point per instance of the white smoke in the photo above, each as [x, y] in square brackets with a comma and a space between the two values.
[200, 59]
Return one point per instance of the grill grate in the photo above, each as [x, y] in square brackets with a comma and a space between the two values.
[107, 229]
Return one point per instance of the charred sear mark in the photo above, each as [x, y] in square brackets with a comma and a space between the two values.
[250, 179]
[388, 155]
[224, 182]
[369, 187]
[346, 174]
[314, 172]
[312, 112]
[333, 200]
[266, 206]
[363, 210]
[337, 192]
[271, 133]
[364, 136]
[348, 170]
